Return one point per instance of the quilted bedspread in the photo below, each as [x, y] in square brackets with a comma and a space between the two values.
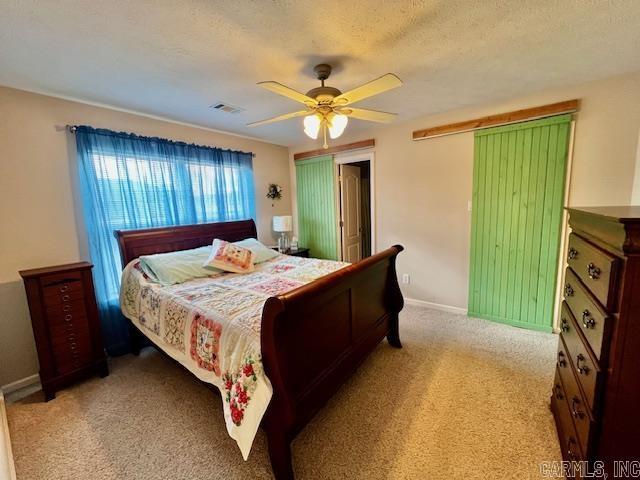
[212, 327]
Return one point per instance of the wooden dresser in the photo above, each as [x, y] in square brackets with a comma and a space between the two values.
[596, 393]
[65, 323]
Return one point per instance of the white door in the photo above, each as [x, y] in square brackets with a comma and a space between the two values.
[350, 209]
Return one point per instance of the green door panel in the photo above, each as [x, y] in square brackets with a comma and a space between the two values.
[316, 197]
[518, 194]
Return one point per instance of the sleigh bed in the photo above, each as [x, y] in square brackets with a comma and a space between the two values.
[311, 338]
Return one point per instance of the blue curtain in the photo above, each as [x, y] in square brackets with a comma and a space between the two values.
[130, 182]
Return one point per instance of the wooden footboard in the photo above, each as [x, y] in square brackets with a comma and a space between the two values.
[313, 338]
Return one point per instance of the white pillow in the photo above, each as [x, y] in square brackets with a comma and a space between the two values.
[261, 252]
[177, 267]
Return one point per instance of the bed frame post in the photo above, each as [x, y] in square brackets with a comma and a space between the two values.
[280, 454]
[136, 339]
[395, 301]
[393, 337]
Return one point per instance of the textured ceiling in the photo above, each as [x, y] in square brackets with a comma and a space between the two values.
[174, 59]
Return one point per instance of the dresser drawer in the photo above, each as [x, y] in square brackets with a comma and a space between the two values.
[594, 322]
[61, 293]
[70, 332]
[68, 360]
[586, 367]
[60, 313]
[582, 418]
[567, 435]
[597, 269]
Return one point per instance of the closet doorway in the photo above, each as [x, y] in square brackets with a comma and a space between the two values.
[354, 181]
[356, 205]
[336, 205]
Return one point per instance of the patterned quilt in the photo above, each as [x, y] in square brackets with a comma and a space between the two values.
[212, 327]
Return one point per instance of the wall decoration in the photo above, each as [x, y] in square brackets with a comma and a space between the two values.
[274, 192]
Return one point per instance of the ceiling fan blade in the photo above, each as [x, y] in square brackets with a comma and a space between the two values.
[374, 87]
[286, 116]
[288, 92]
[370, 115]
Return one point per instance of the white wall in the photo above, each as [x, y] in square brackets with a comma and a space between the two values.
[422, 188]
[39, 215]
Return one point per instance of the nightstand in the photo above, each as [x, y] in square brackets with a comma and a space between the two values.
[299, 252]
[66, 325]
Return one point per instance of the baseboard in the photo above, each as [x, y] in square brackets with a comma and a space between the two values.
[7, 467]
[21, 388]
[437, 306]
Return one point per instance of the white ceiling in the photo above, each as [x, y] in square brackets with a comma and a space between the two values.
[174, 59]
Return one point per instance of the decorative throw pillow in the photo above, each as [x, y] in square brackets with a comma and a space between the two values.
[230, 257]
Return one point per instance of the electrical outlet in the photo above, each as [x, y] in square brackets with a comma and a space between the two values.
[406, 278]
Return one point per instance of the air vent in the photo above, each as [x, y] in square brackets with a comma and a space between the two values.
[225, 107]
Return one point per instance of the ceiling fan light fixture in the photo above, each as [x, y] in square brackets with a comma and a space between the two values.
[327, 109]
[337, 125]
[312, 125]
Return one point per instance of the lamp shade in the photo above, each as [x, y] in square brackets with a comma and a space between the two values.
[282, 223]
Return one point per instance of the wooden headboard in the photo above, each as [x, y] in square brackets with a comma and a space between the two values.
[133, 243]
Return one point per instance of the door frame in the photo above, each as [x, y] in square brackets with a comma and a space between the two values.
[564, 233]
[355, 157]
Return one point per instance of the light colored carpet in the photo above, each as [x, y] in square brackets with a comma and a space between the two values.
[464, 398]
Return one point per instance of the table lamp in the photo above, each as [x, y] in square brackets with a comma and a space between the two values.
[283, 225]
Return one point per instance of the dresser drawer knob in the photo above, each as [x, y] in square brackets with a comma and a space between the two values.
[574, 409]
[568, 290]
[64, 288]
[582, 369]
[573, 254]
[562, 362]
[557, 391]
[66, 308]
[593, 271]
[587, 320]
[565, 325]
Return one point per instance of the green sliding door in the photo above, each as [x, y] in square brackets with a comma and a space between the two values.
[316, 196]
[518, 196]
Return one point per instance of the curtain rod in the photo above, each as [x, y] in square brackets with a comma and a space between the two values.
[73, 128]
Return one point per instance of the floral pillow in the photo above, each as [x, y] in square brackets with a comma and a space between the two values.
[230, 257]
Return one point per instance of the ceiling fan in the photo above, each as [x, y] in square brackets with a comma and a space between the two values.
[327, 108]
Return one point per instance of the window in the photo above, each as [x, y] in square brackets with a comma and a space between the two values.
[131, 182]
